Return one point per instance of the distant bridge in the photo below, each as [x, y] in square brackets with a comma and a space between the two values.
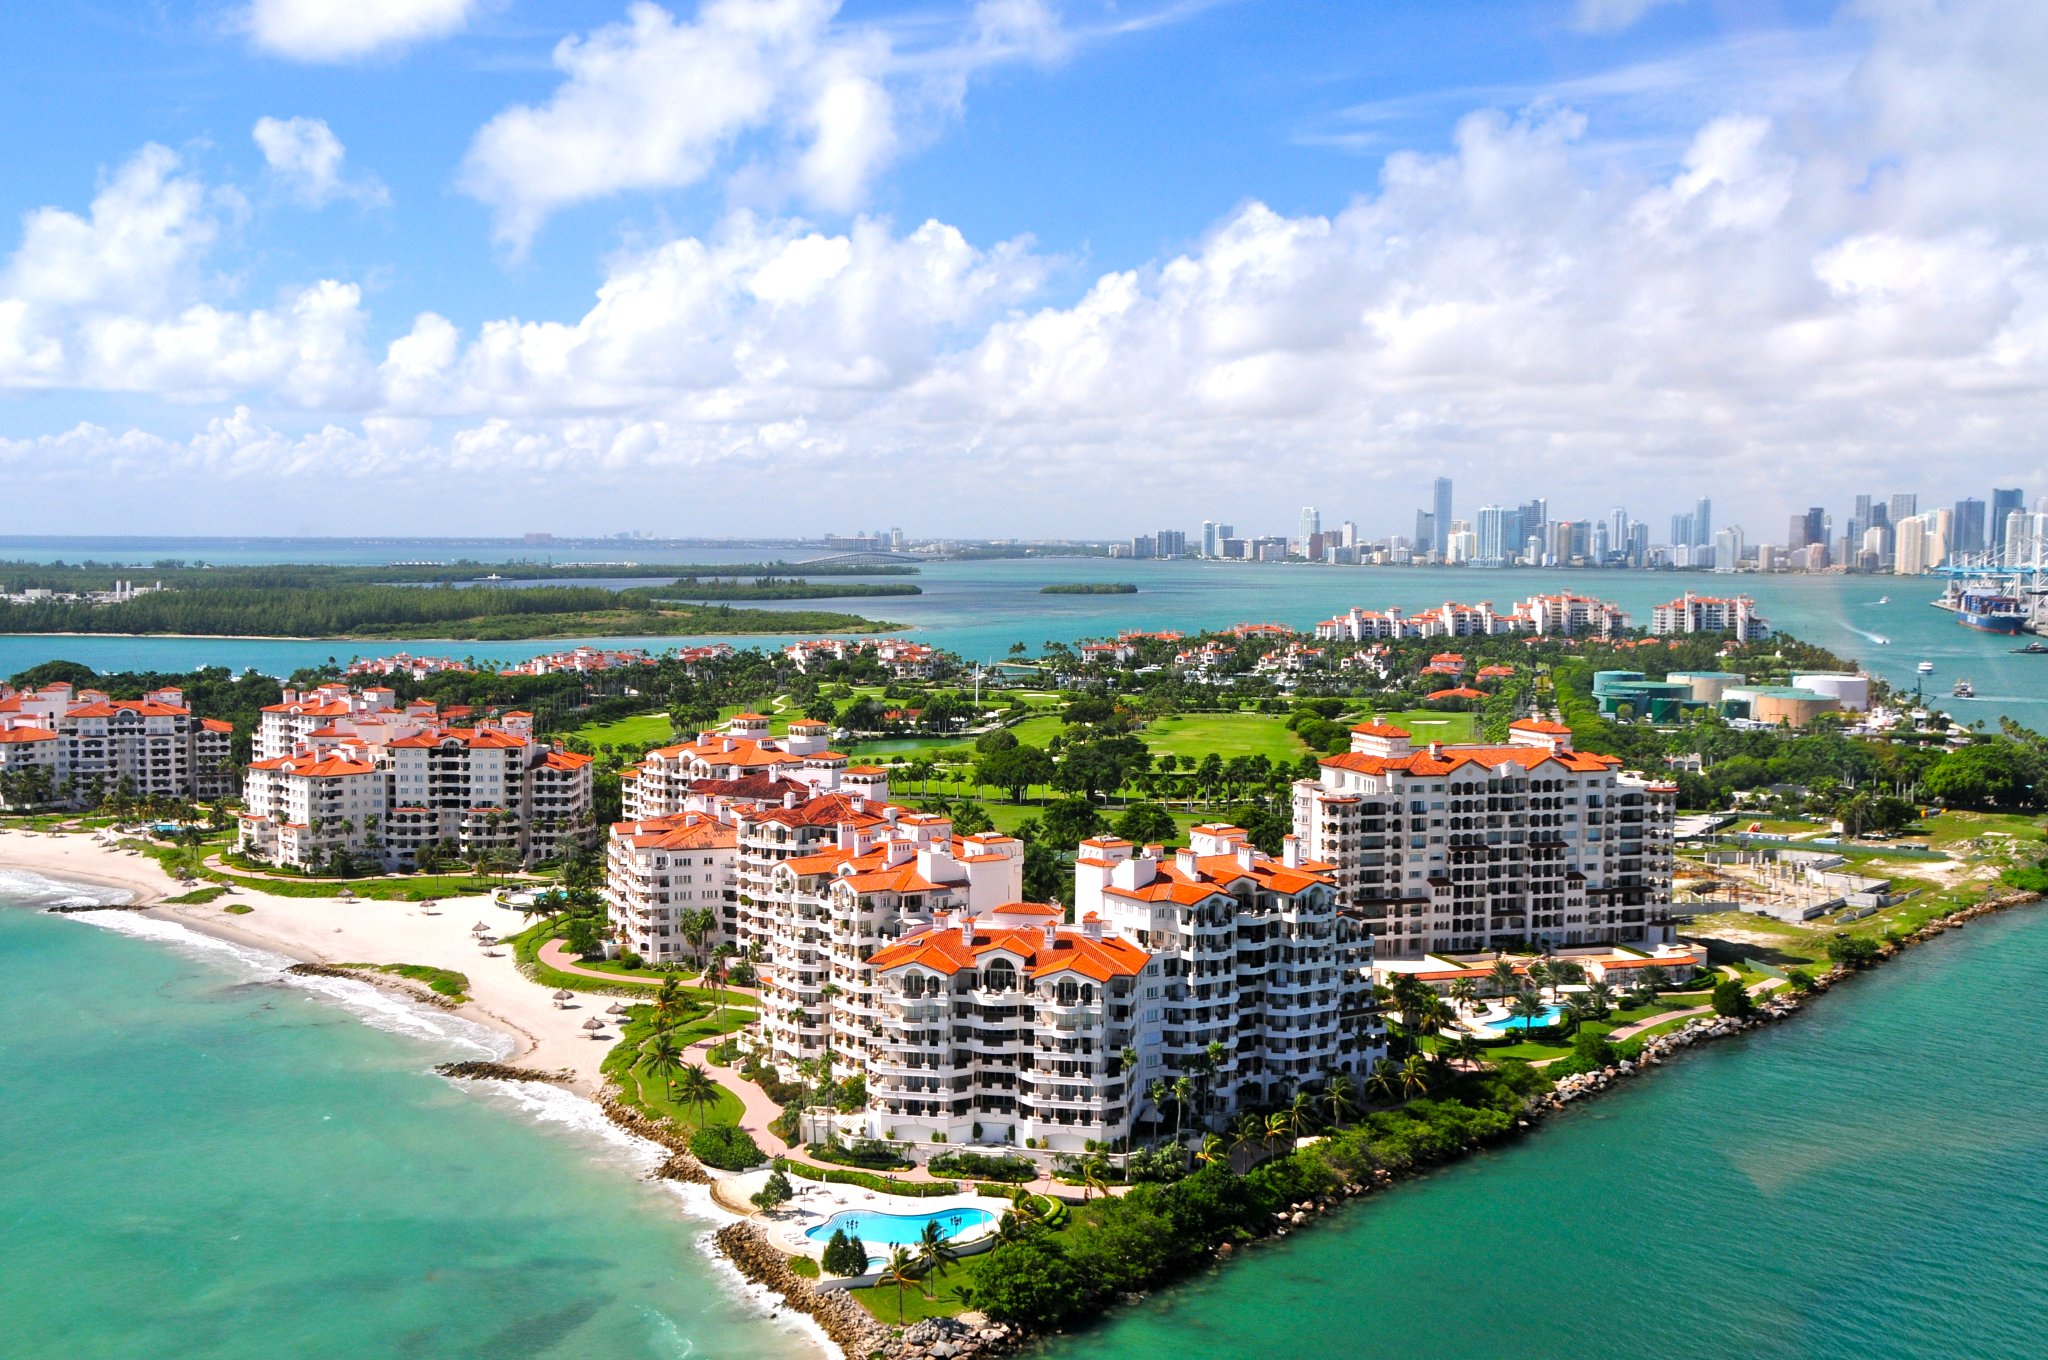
[879, 557]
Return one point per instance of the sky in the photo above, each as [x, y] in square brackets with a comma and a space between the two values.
[1030, 268]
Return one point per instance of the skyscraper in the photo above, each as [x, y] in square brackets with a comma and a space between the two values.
[1905, 505]
[1425, 533]
[1969, 526]
[2004, 500]
[1311, 523]
[1681, 531]
[1617, 530]
[1209, 538]
[1497, 536]
[1703, 523]
[1440, 512]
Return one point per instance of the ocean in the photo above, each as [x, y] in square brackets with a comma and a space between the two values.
[202, 1158]
[980, 609]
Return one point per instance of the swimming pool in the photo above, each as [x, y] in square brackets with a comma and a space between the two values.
[898, 1230]
[1551, 1016]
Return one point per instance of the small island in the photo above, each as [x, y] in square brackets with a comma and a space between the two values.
[1090, 588]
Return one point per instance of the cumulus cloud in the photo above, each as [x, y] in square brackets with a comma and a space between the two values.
[1856, 292]
[347, 30]
[116, 300]
[794, 103]
[305, 156]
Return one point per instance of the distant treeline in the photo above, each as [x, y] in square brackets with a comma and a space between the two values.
[183, 575]
[1090, 588]
[334, 610]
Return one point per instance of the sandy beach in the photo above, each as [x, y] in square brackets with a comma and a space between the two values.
[327, 930]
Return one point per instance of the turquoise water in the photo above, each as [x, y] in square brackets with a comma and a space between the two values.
[202, 1161]
[898, 1230]
[980, 608]
[1545, 1021]
[1866, 1182]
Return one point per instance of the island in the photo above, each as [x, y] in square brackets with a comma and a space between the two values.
[1090, 588]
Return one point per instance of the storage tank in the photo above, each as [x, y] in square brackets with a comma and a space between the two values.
[1851, 691]
[1709, 687]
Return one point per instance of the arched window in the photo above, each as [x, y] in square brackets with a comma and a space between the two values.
[1000, 976]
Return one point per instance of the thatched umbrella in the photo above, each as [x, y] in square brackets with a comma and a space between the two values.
[615, 1009]
[479, 929]
[593, 1024]
[564, 995]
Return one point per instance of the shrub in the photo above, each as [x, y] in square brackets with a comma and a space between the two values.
[845, 1255]
[1730, 997]
[1801, 980]
[1851, 951]
[629, 960]
[725, 1147]
[980, 1166]
[871, 1153]
[777, 1190]
[1030, 1282]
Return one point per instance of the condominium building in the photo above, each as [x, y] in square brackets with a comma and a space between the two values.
[1465, 848]
[379, 783]
[1544, 615]
[60, 745]
[660, 872]
[1254, 953]
[1692, 613]
[1008, 1027]
[662, 783]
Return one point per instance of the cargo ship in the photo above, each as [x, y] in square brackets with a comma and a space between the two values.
[1987, 608]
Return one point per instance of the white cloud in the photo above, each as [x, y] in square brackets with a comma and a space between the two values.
[115, 301]
[347, 30]
[1805, 303]
[780, 94]
[1610, 16]
[305, 156]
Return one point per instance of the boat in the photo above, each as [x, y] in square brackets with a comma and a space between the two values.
[2034, 648]
[1927, 668]
[1880, 640]
[1989, 607]
[1884, 599]
[1964, 690]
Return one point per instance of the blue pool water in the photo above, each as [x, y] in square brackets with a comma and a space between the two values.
[898, 1230]
[1551, 1015]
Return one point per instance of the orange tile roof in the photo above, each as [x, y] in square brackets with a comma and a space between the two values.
[1540, 725]
[941, 949]
[1451, 757]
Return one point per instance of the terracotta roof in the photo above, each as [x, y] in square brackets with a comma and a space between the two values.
[1380, 729]
[1451, 757]
[1540, 725]
[942, 949]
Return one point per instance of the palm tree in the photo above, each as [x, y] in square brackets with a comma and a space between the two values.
[668, 1003]
[1279, 1125]
[1465, 992]
[901, 1271]
[1094, 1177]
[1339, 1094]
[663, 1059]
[934, 1253]
[1465, 1049]
[1384, 1081]
[1415, 1075]
[1301, 1113]
[1539, 974]
[1212, 1150]
[1528, 1007]
[1502, 976]
[695, 1088]
[1245, 1130]
[1601, 994]
[1183, 1091]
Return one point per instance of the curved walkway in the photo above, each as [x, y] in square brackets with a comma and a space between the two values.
[556, 955]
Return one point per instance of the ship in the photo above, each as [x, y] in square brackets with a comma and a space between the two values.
[1926, 668]
[1989, 608]
[2035, 648]
[1964, 690]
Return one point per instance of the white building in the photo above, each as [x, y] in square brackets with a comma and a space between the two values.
[1692, 613]
[1459, 848]
[78, 743]
[660, 871]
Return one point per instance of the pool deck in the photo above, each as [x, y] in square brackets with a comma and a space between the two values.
[817, 1201]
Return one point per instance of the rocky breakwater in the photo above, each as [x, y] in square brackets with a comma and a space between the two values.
[680, 1164]
[377, 978]
[497, 1071]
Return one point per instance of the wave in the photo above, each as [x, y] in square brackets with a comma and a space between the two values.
[31, 889]
[770, 1305]
[374, 1006]
[549, 1104]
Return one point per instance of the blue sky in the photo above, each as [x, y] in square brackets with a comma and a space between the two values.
[1245, 252]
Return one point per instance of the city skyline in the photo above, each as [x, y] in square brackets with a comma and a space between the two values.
[478, 250]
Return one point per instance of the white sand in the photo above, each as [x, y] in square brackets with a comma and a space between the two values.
[326, 930]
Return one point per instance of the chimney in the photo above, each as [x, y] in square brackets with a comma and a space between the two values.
[1052, 934]
[1184, 861]
[1092, 926]
[1290, 852]
[966, 924]
[1436, 748]
[1246, 856]
[789, 799]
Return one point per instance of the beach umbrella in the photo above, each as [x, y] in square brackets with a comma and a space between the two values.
[563, 995]
[593, 1024]
[479, 929]
[615, 1009]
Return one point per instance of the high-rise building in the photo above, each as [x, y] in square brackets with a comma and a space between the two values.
[1171, 543]
[1440, 515]
[1728, 547]
[1703, 523]
[1209, 538]
[1909, 554]
[1602, 542]
[1681, 531]
[2004, 500]
[1224, 531]
[1905, 505]
[1617, 530]
[1638, 543]
[1497, 536]
[1311, 523]
[1969, 527]
[1425, 532]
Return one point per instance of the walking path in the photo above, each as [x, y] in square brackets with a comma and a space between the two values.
[555, 954]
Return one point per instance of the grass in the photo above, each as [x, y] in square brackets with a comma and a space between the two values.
[526, 948]
[198, 897]
[945, 1300]
[1426, 725]
[1224, 734]
[642, 732]
[626, 1065]
[444, 981]
[238, 909]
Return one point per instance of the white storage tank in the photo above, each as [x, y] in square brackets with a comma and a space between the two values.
[1851, 691]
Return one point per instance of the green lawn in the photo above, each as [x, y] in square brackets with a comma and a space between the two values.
[642, 732]
[1225, 734]
[1949, 828]
[445, 981]
[945, 1301]
[1427, 725]
[646, 1091]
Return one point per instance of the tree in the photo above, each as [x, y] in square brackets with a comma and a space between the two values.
[1850, 951]
[1465, 992]
[1986, 774]
[1415, 1076]
[662, 1060]
[1503, 978]
[1029, 1282]
[1730, 997]
[901, 1271]
[844, 1255]
[935, 1255]
[1339, 1097]
[696, 1089]
[775, 1191]
[1529, 1008]
[1070, 821]
[1146, 824]
[1014, 770]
